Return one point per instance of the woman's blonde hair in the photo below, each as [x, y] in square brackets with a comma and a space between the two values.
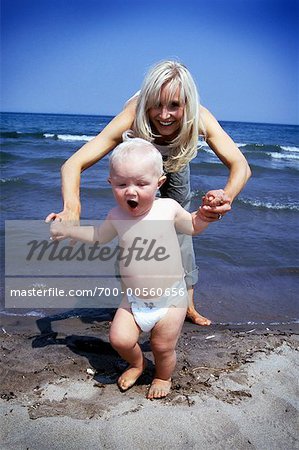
[184, 147]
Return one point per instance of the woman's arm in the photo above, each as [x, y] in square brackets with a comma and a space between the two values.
[227, 151]
[85, 157]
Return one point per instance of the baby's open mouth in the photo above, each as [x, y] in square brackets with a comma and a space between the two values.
[132, 204]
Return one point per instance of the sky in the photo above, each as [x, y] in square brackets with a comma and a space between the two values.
[90, 56]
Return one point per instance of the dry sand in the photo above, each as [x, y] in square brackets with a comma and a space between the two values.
[234, 388]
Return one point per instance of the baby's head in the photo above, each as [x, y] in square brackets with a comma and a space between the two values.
[136, 172]
[138, 151]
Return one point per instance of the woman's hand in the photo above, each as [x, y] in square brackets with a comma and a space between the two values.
[63, 216]
[215, 204]
[60, 222]
[59, 230]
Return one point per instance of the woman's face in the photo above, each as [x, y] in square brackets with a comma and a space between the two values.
[166, 117]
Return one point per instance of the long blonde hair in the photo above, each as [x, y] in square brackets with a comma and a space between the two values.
[184, 147]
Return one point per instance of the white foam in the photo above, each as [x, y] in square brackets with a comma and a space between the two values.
[30, 314]
[35, 314]
[269, 205]
[69, 137]
[72, 137]
[251, 323]
[276, 155]
[204, 146]
[288, 148]
[8, 180]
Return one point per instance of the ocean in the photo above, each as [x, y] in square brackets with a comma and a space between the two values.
[248, 261]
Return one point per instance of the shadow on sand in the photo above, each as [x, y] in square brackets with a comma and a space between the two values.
[103, 359]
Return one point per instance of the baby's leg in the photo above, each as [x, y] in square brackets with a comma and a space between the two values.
[164, 338]
[124, 333]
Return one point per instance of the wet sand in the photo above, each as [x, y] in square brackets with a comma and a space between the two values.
[233, 388]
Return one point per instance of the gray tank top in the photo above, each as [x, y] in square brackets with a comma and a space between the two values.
[163, 149]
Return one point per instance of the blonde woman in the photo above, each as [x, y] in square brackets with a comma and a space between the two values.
[167, 113]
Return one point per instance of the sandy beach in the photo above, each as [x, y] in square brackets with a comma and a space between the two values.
[233, 388]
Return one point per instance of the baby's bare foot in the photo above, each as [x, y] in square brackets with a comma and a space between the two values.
[130, 376]
[159, 388]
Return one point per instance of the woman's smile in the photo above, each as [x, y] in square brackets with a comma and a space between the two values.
[167, 116]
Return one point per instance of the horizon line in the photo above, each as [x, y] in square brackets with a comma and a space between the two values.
[109, 115]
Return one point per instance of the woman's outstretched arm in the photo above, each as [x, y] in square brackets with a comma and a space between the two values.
[227, 151]
[85, 157]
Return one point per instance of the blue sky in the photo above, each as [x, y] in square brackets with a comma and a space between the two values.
[89, 56]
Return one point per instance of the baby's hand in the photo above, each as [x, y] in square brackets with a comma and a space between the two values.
[214, 198]
[215, 204]
[59, 230]
[68, 218]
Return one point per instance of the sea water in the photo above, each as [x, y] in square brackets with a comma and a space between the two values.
[248, 261]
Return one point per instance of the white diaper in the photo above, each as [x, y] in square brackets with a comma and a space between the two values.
[148, 312]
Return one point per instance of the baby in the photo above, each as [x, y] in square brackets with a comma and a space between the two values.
[156, 295]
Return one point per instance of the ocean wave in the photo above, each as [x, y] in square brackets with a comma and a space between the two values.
[268, 205]
[272, 151]
[52, 160]
[252, 323]
[253, 147]
[103, 314]
[271, 168]
[24, 186]
[206, 149]
[19, 134]
[288, 148]
[70, 137]
[204, 167]
[42, 135]
[10, 134]
[16, 180]
[275, 149]
[97, 192]
[276, 155]
[8, 157]
[38, 314]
